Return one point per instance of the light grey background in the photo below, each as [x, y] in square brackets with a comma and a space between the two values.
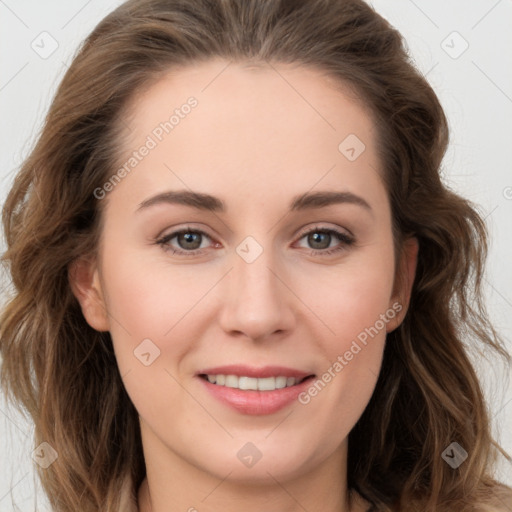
[473, 83]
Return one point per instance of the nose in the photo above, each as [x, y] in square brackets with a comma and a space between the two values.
[256, 300]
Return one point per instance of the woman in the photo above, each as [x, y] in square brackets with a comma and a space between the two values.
[306, 352]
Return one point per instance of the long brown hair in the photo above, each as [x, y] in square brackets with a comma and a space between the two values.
[64, 373]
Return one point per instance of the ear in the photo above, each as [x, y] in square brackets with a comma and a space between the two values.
[404, 280]
[86, 287]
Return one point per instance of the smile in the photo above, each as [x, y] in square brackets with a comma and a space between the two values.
[252, 383]
[254, 391]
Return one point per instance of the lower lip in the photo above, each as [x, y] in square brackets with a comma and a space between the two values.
[256, 402]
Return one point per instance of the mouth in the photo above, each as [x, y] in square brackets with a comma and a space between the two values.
[245, 383]
[255, 391]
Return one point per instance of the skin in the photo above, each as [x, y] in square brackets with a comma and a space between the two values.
[258, 137]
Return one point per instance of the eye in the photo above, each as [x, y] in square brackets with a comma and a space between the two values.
[189, 241]
[320, 239]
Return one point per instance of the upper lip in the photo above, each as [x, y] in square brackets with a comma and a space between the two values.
[252, 371]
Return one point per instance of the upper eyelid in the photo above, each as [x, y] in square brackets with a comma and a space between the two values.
[317, 227]
[185, 229]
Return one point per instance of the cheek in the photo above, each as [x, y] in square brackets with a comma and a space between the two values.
[354, 305]
[149, 299]
[158, 313]
[351, 296]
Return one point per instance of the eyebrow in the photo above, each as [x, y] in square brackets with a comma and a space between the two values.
[201, 201]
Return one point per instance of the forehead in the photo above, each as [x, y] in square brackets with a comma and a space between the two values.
[241, 89]
[261, 128]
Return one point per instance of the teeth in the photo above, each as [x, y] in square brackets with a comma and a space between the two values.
[252, 383]
[247, 383]
[267, 384]
[231, 381]
[281, 382]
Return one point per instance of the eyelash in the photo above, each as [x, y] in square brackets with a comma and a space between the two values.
[345, 239]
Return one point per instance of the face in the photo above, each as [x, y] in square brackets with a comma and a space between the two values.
[281, 271]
